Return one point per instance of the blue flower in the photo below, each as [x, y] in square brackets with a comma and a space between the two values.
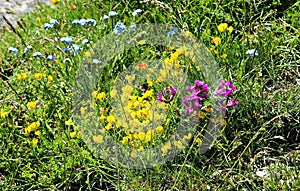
[112, 14]
[174, 31]
[84, 42]
[105, 18]
[82, 22]
[136, 12]
[53, 21]
[67, 60]
[252, 53]
[13, 50]
[47, 26]
[76, 48]
[91, 21]
[50, 57]
[37, 54]
[119, 28]
[132, 27]
[27, 48]
[66, 40]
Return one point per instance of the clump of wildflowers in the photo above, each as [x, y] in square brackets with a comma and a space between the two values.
[166, 93]
[199, 92]
[226, 89]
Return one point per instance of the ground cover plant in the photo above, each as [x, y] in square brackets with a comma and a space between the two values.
[255, 45]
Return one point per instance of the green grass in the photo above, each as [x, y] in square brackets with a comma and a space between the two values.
[262, 132]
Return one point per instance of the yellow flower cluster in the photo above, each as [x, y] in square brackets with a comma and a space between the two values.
[39, 76]
[22, 76]
[32, 127]
[216, 40]
[224, 26]
[98, 96]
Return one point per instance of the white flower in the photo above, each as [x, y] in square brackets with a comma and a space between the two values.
[112, 13]
[253, 53]
[136, 12]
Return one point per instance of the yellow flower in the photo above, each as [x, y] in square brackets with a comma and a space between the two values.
[101, 96]
[59, 115]
[160, 129]
[39, 76]
[130, 78]
[125, 139]
[3, 114]
[38, 19]
[55, 1]
[102, 118]
[148, 136]
[216, 40]
[201, 115]
[50, 78]
[141, 148]
[188, 136]
[224, 56]
[110, 119]
[98, 139]
[32, 127]
[166, 147]
[148, 93]
[87, 54]
[31, 104]
[73, 134]
[178, 144]
[198, 141]
[94, 94]
[127, 89]
[214, 51]
[230, 29]
[79, 133]
[108, 126]
[69, 122]
[113, 93]
[27, 130]
[150, 83]
[38, 133]
[141, 42]
[141, 136]
[22, 76]
[35, 141]
[222, 27]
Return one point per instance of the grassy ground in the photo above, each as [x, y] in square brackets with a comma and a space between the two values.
[42, 147]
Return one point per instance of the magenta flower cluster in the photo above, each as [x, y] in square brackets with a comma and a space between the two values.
[167, 93]
[198, 92]
[226, 89]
